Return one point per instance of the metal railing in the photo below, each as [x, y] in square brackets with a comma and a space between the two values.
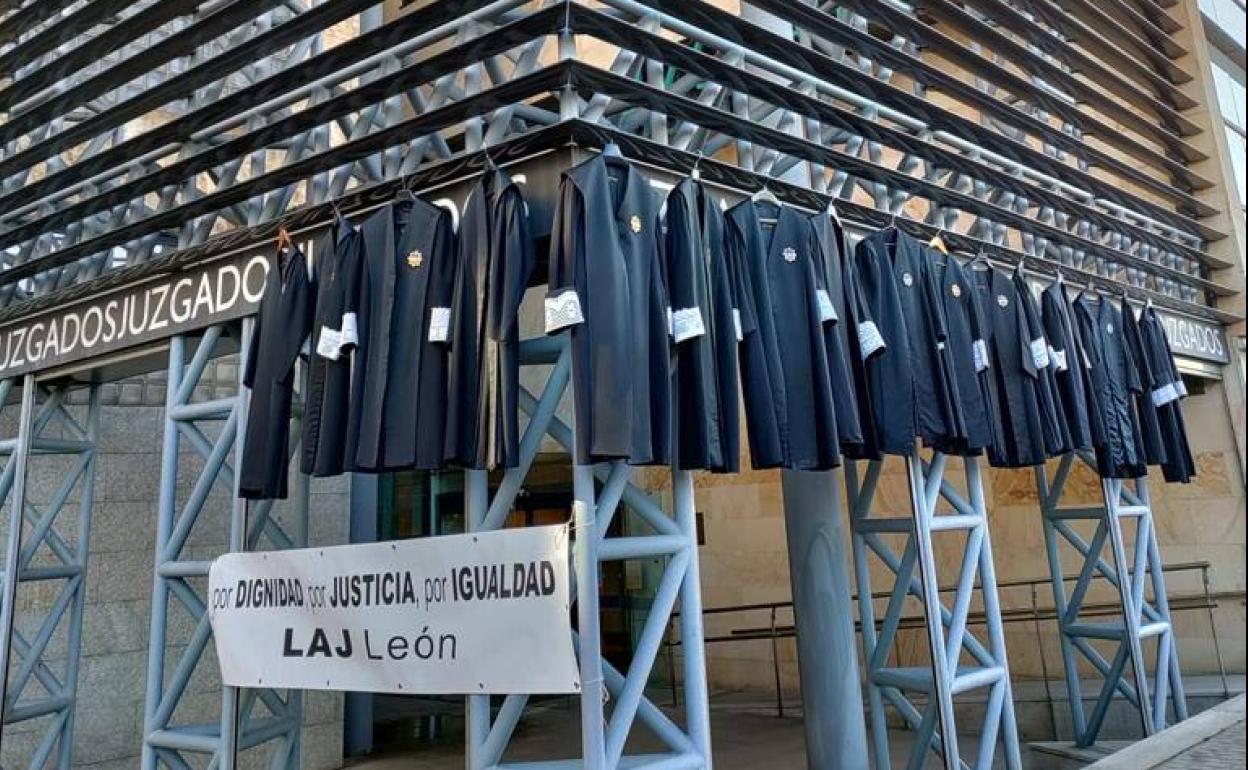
[774, 629]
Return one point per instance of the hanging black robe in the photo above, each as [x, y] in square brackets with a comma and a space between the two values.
[845, 301]
[704, 324]
[339, 259]
[283, 323]
[1065, 350]
[1056, 433]
[1150, 381]
[492, 272]
[606, 286]
[909, 383]
[1013, 377]
[968, 355]
[400, 377]
[790, 414]
[1112, 380]
[1166, 398]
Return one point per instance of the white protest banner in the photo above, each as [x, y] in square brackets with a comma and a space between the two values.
[478, 613]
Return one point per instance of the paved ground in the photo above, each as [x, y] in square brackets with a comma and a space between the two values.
[744, 739]
[1211, 740]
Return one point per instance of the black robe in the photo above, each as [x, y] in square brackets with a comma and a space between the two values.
[909, 383]
[606, 286]
[339, 260]
[968, 354]
[492, 272]
[1147, 417]
[834, 279]
[1112, 381]
[1166, 398]
[283, 323]
[400, 377]
[1056, 433]
[1013, 377]
[789, 408]
[705, 317]
[1066, 351]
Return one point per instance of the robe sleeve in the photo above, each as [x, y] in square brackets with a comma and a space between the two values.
[823, 298]
[979, 342]
[563, 301]
[1172, 387]
[870, 340]
[442, 282]
[351, 267]
[681, 246]
[511, 234]
[1030, 364]
[1036, 344]
[743, 291]
[253, 352]
[1055, 330]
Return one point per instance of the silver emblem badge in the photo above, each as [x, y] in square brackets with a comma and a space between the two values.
[1003, 300]
[790, 254]
[1109, 328]
[956, 290]
[635, 223]
[907, 279]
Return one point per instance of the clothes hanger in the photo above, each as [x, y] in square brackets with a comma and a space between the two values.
[696, 173]
[612, 150]
[765, 195]
[938, 243]
[979, 261]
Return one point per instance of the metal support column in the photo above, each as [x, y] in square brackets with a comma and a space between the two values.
[212, 429]
[949, 637]
[1133, 571]
[46, 545]
[599, 491]
[824, 615]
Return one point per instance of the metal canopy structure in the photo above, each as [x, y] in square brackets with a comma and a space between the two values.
[141, 138]
[1132, 567]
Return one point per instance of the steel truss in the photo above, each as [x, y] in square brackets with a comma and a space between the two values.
[212, 430]
[949, 638]
[1133, 570]
[599, 491]
[48, 544]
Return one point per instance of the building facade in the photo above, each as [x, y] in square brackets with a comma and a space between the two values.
[1099, 141]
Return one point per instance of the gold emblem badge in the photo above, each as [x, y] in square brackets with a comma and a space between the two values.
[635, 223]
[956, 290]
[415, 259]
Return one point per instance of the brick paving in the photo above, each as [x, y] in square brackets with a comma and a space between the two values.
[1224, 751]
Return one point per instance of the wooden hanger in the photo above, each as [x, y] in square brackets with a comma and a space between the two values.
[938, 243]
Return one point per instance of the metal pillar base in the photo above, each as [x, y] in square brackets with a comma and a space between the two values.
[40, 549]
[949, 638]
[598, 492]
[1132, 570]
[177, 579]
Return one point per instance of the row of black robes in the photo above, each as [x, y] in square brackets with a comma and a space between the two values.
[494, 264]
[1066, 352]
[339, 260]
[701, 285]
[790, 412]
[967, 345]
[283, 323]
[1166, 390]
[909, 381]
[1113, 382]
[1013, 382]
[836, 279]
[606, 288]
[399, 388]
